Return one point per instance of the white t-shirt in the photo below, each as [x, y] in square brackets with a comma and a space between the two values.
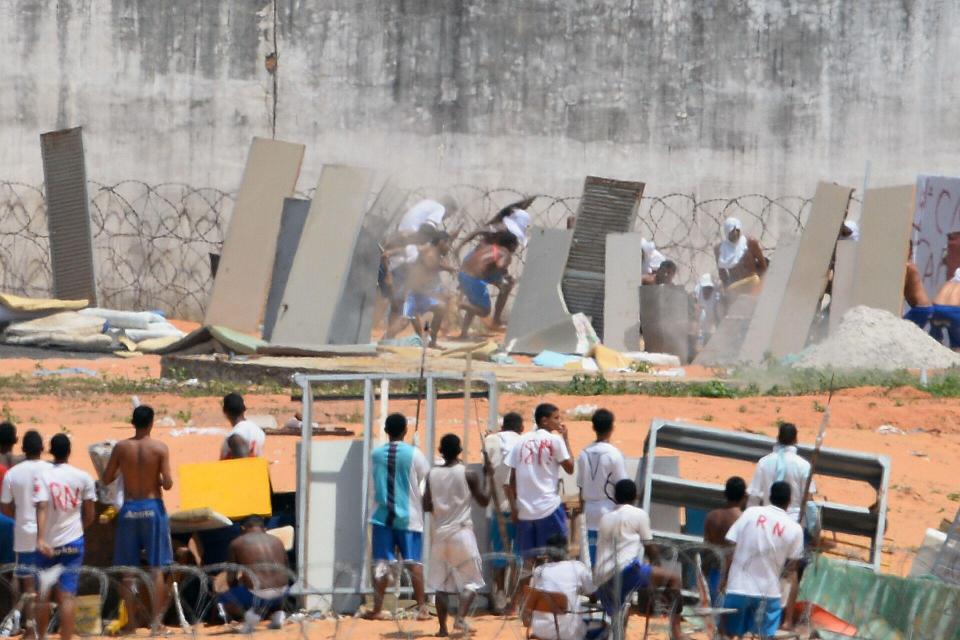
[251, 433]
[766, 538]
[599, 467]
[571, 578]
[67, 488]
[424, 212]
[498, 447]
[797, 470]
[536, 458]
[24, 487]
[620, 540]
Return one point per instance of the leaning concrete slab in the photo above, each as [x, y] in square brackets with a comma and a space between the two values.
[885, 228]
[318, 277]
[292, 220]
[665, 312]
[724, 345]
[68, 215]
[841, 295]
[606, 206]
[243, 277]
[764, 322]
[621, 306]
[539, 304]
[353, 317]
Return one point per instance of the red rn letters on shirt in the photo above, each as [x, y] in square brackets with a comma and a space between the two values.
[63, 497]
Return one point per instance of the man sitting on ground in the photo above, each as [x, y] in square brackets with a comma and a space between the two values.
[599, 467]
[399, 469]
[251, 599]
[624, 536]
[946, 312]
[455, 565]
[67, 508]
[715, 529]
[782, 465]
[246, 438]
[560, 575]
[767, 539]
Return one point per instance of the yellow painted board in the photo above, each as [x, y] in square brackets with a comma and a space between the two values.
[234, 488]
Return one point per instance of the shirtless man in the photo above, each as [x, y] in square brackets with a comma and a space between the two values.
[513, 218]
[248, 598]
[946, 311]
[142, 523]
[425, 294]
[487, 264]
[715, 529]
[916, 296]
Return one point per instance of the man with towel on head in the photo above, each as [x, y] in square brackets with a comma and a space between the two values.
[946, 311]
[651, 259]
[740, 259]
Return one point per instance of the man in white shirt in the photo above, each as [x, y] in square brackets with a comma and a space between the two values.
[783, 465]
[769, 544]
[624, 536]
[498, 446]
[599, 467]
[23, 487]
[559, 575]
[246, 438]
[68, 508]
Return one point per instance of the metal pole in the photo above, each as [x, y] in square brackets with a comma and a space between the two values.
[384, 408]
[303, 478]
[466, 407]
[365, 486]
[492, 402]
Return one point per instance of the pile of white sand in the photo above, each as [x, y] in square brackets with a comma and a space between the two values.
[873, 339]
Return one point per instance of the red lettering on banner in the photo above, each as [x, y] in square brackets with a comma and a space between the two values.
[779, 529]
[761, 520]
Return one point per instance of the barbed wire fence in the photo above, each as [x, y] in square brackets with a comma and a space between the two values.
[152, 241]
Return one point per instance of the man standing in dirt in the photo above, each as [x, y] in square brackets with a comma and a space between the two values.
[142, 524]
[783, 465]
[715, 530]
[246, 438]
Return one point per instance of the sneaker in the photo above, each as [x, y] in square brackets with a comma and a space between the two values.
[276, 620]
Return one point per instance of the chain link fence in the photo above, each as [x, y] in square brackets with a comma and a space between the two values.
[152, 242]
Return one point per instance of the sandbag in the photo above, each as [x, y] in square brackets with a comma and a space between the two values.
[65, 322]
[125, 319]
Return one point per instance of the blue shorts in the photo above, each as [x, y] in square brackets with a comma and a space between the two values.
[70, 557]
[919, 316]
[496, 544]
[27, 564]
[386, 542]
[592, 546]
[142, 525]
[754, 615]
[713, 585]
[476, 292]
[635, 576]
[241, 596]
[532, 534]
[417, 304]
[945, 318]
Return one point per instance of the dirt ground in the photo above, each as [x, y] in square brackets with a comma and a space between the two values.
[923, 488]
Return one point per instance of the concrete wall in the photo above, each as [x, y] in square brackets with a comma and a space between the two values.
[717, 97]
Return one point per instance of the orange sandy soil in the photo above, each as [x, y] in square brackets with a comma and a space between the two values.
[921, 492]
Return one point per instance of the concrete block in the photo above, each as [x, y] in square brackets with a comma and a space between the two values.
[621, 306]
[318, 277]
[246, 265]
[665, 314]
[68, 215]
[292, 221]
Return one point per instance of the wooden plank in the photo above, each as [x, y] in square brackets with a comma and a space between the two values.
[764, 322]
[621, 304]
[885, 228]
[318, 277]
[808, 278]
[68, 215]
[246, 265]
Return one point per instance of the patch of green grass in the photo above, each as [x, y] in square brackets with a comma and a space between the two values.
[184, 415]
[819, 408]
[707, 418]
[954, 497]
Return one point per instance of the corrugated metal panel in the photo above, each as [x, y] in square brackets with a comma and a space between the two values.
[607, 206]
[292, 220]
[68, 215]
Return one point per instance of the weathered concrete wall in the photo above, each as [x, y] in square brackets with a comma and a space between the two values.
[713, 96]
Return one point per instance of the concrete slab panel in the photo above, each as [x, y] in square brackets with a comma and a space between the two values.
[937, 214]
[666, 314]
[539, 303]
[242, 284]
[68, 215]
[318, 277]
[885, 228]
[763, 324]
[725, 344]
[353, 318]
[621, 306]
[841, 296]
[292, 220]
[606, 206]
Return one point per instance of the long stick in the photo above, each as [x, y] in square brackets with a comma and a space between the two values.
[816, 453]
[494, 490]
[420, 389]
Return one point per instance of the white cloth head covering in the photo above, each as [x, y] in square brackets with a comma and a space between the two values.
[651, 258]
[424, 212]
[956, 276]
[853, 228]
[705, 281]
[731, 252]
[517, 223]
